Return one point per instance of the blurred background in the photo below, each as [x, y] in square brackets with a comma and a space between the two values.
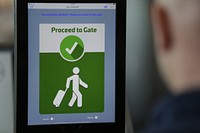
[6, 22]
[143, 83]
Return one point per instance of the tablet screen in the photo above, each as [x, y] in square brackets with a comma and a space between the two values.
[71, 63]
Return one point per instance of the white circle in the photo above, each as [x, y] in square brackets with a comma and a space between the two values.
[76, 70]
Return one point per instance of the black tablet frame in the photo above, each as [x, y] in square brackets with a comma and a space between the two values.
[21, 75]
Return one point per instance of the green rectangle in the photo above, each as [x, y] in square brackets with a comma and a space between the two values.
[54, 71]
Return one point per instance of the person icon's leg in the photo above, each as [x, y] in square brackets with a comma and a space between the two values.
[73, 99]
[79, 97]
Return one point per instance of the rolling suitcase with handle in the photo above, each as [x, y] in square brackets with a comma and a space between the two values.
[59, 97]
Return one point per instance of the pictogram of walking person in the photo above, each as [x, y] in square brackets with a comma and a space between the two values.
[76, 82]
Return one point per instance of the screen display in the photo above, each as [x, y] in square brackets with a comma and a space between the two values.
[71, 63]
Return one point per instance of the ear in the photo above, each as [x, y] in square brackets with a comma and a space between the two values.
[161, 28]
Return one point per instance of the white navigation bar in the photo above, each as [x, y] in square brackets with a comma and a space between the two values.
[71, 5]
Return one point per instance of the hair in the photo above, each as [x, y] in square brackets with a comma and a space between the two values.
[150, 2]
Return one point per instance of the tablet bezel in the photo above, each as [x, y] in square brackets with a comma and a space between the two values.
[21, 75]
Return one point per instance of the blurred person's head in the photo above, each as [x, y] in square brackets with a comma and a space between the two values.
[176, 26]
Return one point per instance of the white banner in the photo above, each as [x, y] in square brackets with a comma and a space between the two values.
[92, 35]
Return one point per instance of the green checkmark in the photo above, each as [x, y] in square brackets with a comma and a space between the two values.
[72, 48]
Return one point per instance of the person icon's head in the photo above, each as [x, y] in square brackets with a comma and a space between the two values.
[76, 70]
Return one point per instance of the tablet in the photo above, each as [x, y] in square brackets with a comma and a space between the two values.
[70, 61]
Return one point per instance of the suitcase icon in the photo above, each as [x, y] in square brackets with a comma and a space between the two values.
[59, 97]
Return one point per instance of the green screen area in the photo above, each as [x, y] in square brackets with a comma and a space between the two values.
[54, 71]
